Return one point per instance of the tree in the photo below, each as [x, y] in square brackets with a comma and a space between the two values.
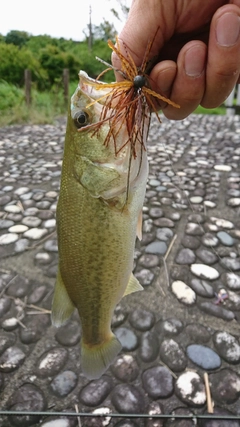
[14, 61]
[18, 38]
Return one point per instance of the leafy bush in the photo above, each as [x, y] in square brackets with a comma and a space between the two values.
[10, 96]
[14, 61]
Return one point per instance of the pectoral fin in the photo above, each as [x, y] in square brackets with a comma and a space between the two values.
[139, 226]
[95, 178]
[132, 286]
[62, 306]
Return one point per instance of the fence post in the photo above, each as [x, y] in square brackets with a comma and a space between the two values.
[27, 84]
[66, 85]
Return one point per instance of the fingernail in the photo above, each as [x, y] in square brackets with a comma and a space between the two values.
[228, 29]
[195, 61]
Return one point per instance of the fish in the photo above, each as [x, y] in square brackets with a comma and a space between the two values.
[99, 215]
[99, 211]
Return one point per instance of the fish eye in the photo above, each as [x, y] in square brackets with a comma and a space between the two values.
[81, 119]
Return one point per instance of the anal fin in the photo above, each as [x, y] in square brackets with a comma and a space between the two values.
[132, 286]
[62, 306]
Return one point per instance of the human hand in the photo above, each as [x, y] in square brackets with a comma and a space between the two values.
[197, 48]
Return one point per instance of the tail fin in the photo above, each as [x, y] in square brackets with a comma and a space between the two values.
[96, 359]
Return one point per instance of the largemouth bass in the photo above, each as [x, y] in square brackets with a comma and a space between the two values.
[98, 217]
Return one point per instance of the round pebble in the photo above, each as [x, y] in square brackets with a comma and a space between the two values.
[128, 399]
[158, 382]
[125, 368]
[204, 271]
[127, 338]
[173, 355]
[35, 233]
[6, 239]
[203, 356]
[149, 346]
[183, 292]
[227, 346]
[64, 383]
[11, 359]
[52, 361]
[142, 319]
[190, 389]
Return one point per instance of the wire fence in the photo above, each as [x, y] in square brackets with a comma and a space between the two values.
[173, 417]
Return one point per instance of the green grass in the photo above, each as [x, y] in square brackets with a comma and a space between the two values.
[46, 106]
[219, 110]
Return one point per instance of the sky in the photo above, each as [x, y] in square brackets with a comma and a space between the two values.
[57, 18]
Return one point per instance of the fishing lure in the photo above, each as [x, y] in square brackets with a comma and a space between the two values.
[130, 100]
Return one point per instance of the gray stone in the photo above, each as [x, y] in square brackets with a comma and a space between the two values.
[194, 229]
[159, 248]
[27, 397]
[149, 346]
[216, 310]
[158, 382]
[227, 346]
[51, 245]
[202, 288]
[34, 328]
[144, 276]
[197, 333]
[5, 304]
[210, 240]
[164, 223]
[183, 292]
[225, 238]
[19, 287]
[203, 356]
[225, 386]
[11, 359]
[69, 334]
[169, 327]
[125, 368]
[127, 338]
[5, 223]
[232, 280]
[128, 399]
[189, 387]
[173, 355]
[154, 408]
[6, 340]
[156, 212]
[164, 234]
[206, 256]
[185, 256]
[35, 233]
[149, 260]
[142, 319]
[204, 271]
[6, 239]
[21, 245]
[220, 422]
[51, 362]
[64, 383]
[230, 263]
[31, 221]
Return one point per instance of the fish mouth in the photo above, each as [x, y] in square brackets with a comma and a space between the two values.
[92, 88]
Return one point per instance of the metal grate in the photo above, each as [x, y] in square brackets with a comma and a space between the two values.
[172, 417]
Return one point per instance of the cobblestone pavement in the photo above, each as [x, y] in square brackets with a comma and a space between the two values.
[184, 323]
